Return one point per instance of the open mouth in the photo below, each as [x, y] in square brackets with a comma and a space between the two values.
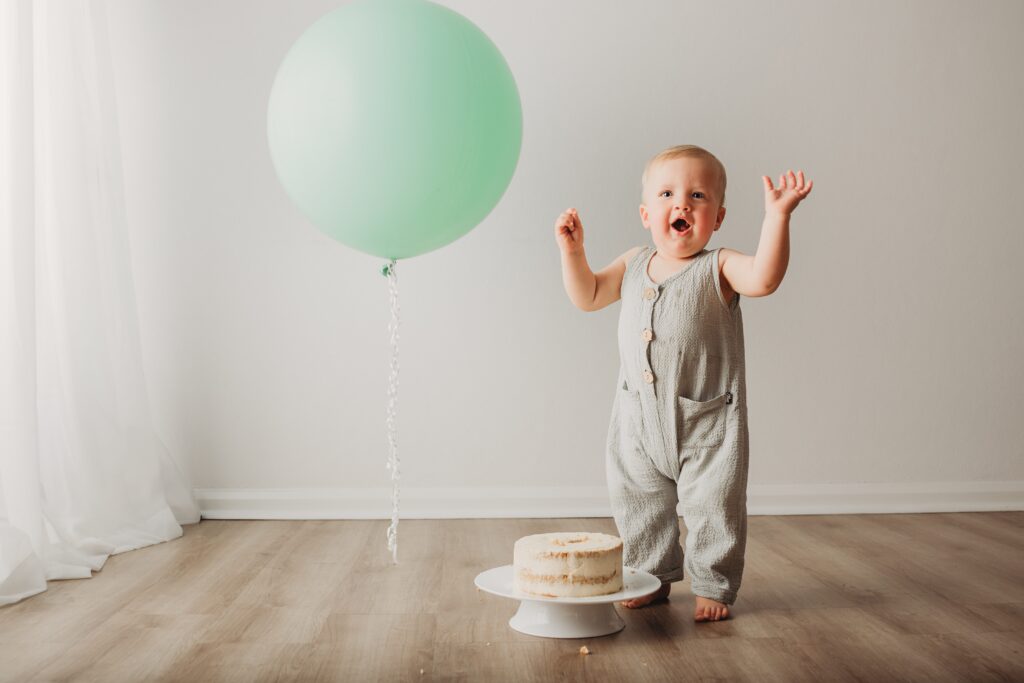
[680, 225]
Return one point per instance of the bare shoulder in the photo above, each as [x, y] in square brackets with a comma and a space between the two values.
[621, 262]
[724, 254]
[630, 255]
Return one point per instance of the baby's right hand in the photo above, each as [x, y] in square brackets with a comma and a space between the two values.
[569, 232]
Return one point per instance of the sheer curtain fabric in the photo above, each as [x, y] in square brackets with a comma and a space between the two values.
[83, 474]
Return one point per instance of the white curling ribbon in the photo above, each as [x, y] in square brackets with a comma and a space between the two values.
[392, 463]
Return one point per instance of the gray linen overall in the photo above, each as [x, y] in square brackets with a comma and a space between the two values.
[679, 427]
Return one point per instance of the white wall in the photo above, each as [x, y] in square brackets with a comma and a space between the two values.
[887, 366]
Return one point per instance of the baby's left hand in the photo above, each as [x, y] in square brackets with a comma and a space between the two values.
[790, 192]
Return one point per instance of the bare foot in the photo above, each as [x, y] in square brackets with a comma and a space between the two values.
[659, 595]
[710, 610]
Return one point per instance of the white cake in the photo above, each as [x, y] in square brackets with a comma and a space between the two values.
[568, 564]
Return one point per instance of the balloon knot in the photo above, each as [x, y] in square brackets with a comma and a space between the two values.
[386, 270]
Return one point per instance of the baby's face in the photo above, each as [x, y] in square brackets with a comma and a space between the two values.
[681, 207]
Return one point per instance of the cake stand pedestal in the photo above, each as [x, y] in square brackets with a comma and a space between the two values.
[567, 617]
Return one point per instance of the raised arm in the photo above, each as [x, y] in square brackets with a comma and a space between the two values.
[593, 291]
[762, 273]
[587, 290]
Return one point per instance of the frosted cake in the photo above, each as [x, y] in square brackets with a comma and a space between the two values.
[568, 564]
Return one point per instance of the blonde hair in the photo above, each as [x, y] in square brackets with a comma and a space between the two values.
[693, 152]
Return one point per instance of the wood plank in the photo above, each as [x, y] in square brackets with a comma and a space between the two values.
[935, 597]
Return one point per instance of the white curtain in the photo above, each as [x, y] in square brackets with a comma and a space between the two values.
[83, 475]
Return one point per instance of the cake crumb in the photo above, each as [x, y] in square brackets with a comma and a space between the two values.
[421, 672]
[584, 650]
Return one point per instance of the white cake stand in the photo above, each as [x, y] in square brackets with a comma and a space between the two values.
[567, 617]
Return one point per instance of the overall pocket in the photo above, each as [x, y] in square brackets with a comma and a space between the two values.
[702, 423]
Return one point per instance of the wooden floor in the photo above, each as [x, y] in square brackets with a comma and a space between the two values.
[925, 597]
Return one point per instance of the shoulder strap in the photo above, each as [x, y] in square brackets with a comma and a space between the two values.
[640, 258]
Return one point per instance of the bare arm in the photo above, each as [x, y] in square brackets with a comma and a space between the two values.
[587, 290]
[593, 291]
[761, 274]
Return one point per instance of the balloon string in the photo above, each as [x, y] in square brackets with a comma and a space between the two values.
[392, 276]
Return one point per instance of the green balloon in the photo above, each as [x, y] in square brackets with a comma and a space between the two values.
[394, 125]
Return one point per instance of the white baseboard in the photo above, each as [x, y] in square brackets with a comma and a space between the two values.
[592, 501]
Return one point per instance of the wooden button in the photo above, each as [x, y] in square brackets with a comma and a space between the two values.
[649, 293]
[647, 334]
[648, 376]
